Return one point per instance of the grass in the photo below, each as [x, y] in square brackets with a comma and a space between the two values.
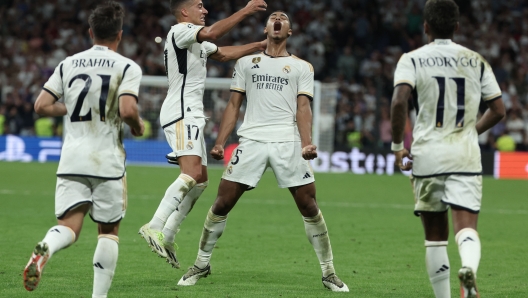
[377, 242]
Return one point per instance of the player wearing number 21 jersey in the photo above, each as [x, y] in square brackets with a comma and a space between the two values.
[96, 91]
[91, 83]
[448, 83]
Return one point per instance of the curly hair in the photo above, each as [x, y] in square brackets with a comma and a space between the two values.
[106, 21]
[442, 17]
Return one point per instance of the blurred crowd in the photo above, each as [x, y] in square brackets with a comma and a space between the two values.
[355, 43]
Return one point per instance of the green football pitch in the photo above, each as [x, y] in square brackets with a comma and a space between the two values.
[376, 240]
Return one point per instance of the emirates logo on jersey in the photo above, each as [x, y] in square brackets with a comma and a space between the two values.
[286, 69]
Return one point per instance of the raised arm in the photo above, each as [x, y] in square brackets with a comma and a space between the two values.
[398, 120]
[220, 28]
[229, 119]
[234, 52]
[492, 116]
[47, 105]
[304, 124]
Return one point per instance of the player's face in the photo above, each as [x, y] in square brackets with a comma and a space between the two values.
[278, 26]
[197, 12]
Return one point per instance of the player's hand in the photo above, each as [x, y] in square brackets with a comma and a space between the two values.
[138, 133]
[399, 160]
[218, 152]
[309, 152]
[255, 6]
[263, 45]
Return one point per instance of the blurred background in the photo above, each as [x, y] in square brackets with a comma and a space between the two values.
[354, 44]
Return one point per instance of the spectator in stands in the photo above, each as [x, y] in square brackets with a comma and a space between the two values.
[515, 128]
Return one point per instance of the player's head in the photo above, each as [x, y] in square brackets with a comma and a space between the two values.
[106, 22]
[441, 18]
[278, 25]
[192, 11]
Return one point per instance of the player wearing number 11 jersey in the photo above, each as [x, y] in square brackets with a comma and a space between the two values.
[448, 82]
[98, 91]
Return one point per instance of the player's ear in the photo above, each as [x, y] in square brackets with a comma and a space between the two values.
[184, 12]
[119, 36]
[290, 32]
[457, 26]
[426, 28]
[91, 33]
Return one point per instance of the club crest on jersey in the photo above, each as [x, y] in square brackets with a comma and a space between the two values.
[190, 145]
[256, 60]
[286, 69]
[229, 170]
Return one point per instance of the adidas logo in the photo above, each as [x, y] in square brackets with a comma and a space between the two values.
[256, 66]
[442, 269]
[98, 265]
[188, 109]
[155, 245]
[307, 175]
[55, 230]
[468, 239]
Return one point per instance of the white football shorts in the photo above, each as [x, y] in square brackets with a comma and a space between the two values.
[436, 194]
[107, 197]
[251, 159]
[186, 137]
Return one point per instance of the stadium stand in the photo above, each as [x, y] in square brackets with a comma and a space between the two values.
[356, 43]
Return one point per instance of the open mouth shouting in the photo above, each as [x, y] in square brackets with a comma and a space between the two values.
[277, 26]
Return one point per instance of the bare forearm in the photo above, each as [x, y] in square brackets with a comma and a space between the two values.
[304, 124]
[488, 120]
[398, 120]
[220, 28]
[54, 110]
[235, 52]
[227, 125]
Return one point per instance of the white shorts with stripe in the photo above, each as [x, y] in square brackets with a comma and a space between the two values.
[107, 197]
[251, 159]
[186, 137]
[436, 194]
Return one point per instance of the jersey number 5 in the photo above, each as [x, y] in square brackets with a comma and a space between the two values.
[76, 117]
[461, 92]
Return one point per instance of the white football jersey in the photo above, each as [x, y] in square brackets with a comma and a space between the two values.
[448, 82]
[272, 86]
[91, 83]
[185, 64]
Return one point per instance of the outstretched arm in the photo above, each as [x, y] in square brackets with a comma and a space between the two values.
[234, 52]
[229, 119]
[398, 120]
[47, 105]
[304, 124]
[220, 28]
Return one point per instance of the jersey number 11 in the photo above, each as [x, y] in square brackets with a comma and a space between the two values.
[461, 92]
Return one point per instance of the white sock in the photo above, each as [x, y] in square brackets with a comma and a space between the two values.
[173, 197]
[469, 248]
[178, 216]
[104, 262]
[59, 237]
[213, 228]
[437, 265]
[317, 234]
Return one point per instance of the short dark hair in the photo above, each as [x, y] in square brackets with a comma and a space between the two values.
[442, 17]
[106, 21]
[175, 4]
